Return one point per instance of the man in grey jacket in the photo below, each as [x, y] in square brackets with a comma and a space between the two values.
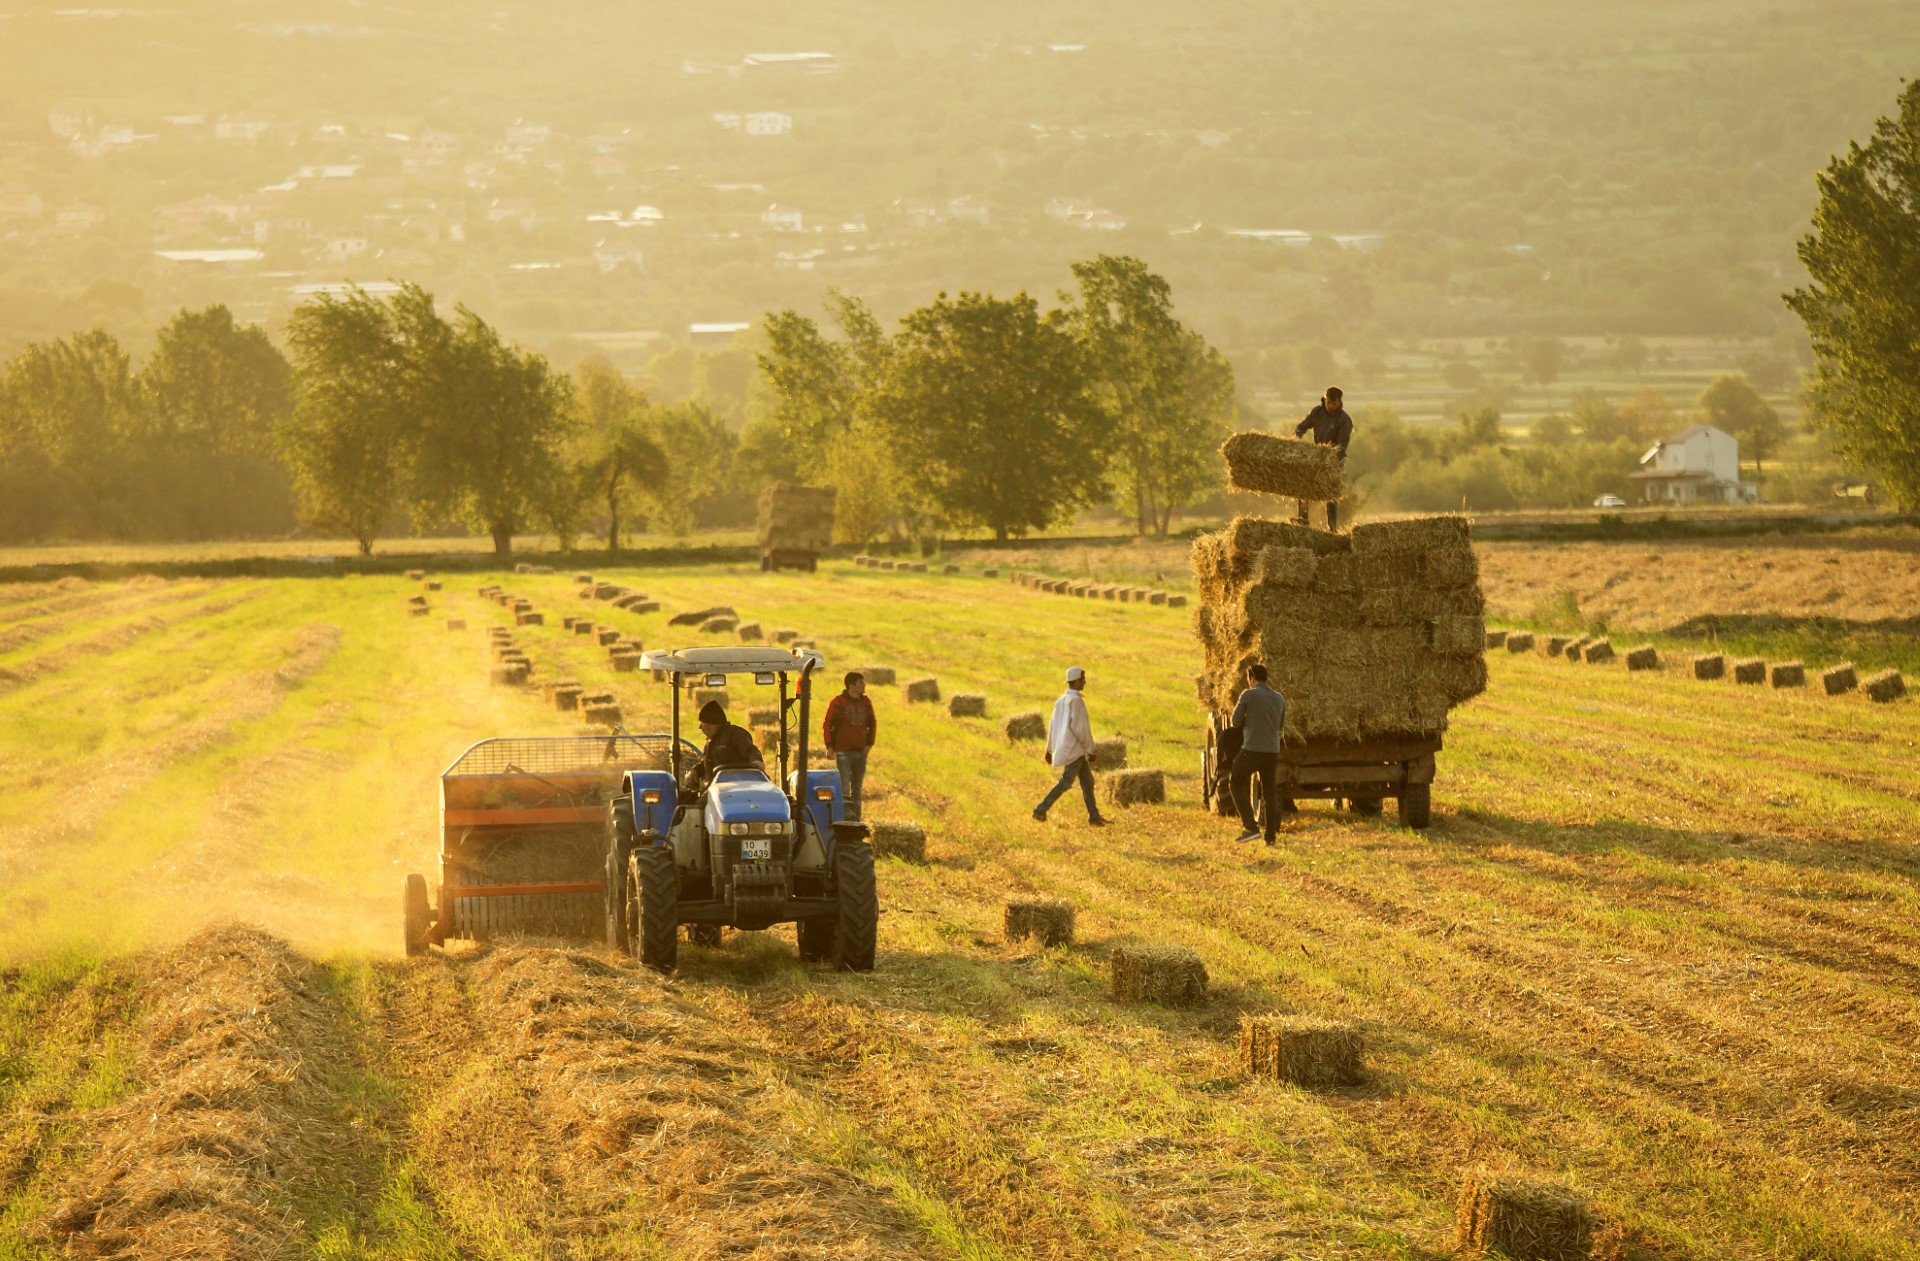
[1260, 714]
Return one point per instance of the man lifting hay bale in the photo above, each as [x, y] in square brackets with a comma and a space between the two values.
[1047, 922]
[1527, 1219]
[1171, 975]
[1303, 1050]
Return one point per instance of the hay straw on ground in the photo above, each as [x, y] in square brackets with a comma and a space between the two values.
[1712, 665]
[1029, 725]
[1787, 674]
[1885, 686]
[1835, 680]
[1142, 786]
[967, 705]
[1645, 657]
[1173, 975]
[925, 690]
[1751, 671]
[1305, 1050]
[694, 617]
[1048, 922]
[1527, 1219]
[1267, 464]
[1110, 754]
[902, 840]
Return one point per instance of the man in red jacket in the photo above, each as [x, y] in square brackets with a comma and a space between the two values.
[849, 732]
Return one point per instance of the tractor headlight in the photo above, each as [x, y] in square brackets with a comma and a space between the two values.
[651, 796]
[739, 829]
[778, 828]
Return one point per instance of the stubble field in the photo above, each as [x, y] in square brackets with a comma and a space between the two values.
[1661, 941]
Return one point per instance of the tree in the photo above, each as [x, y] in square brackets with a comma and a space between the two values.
[1731, 403]
[1630, 355]
[1479, 427]
[1542, 360]
[352, 431]
[622, 457]
[71, 399]
[1646, 416]
[819, 385]
[699, 452]
[1862, 303]
[494, 422]
[1166, 397]
[986, 404]
[213, 387]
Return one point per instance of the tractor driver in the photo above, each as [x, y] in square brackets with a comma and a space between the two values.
[727, 745]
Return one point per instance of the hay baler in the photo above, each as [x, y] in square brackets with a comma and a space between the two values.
[737, 846]
[523, 826]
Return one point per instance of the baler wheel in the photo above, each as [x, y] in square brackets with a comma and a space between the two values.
[653, 899]
[858, 922]
[617, 906]
[419, 916]
[1416, 805]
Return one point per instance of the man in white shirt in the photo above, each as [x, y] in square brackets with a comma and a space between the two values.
[1070, 748]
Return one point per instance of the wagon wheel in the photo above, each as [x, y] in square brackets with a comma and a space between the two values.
[1209, 755]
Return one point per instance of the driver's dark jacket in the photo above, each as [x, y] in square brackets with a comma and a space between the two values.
[730, 746]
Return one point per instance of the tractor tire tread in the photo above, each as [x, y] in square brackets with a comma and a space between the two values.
[857, 924]
[656, 882]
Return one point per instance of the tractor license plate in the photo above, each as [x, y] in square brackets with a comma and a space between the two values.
[756, 849]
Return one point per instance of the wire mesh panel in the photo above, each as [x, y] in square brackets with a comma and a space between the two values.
[559, 755]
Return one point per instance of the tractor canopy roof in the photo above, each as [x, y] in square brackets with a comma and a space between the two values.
[730, 659]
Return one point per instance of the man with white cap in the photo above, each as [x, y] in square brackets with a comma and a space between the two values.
[1070, 748]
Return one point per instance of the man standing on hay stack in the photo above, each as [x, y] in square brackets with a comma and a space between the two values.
[1332, 426]
[1070, 748]
[1260, 714]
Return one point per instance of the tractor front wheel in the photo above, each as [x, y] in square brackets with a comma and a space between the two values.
[858, 922]
[419, 915]
[653, 901]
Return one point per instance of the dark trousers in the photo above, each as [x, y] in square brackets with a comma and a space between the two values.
[1333, 515]
[853, 779]
[1076, 769]
[1267, 766]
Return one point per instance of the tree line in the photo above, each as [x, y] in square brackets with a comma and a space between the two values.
[989, 413]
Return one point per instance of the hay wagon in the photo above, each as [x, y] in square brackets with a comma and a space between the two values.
[795, 526]
[1363, 774]
[523, 839]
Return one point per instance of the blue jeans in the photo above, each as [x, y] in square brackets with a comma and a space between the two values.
[1076, 769]
[853, 777]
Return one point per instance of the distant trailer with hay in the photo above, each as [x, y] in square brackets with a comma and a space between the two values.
[1373, 637]
[523, 838]
[796, 525]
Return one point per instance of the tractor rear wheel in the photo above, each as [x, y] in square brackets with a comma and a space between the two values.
[419, 915]
[617, 906]
[858, 922]
[1416, 805]
[653, 899]
[816, 938]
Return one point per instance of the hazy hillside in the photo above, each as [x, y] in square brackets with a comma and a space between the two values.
[1500, 168]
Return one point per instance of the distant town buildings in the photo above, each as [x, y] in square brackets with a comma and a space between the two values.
[766, 123]
[779, 218]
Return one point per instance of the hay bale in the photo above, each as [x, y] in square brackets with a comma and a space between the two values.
[584, 578]
[923, 690]
[605, 714]
[1527, 1219]
[529, 617]
[415, 575]
[1110, 754]
[1303, 1050]
[693, 617]
[949, 569]
[719, 625]
[1645, 657]
[645, 606]
[1708, 666]
[1047, 922]
[606, 636]
[1140, 787]
[432, 584]
[1267, 464]
[569, 622]
[582, 626]
[1156, 597]
[1884, 686]
[608, 591]
[1787, 674]
[566, 696]
[1173, 975]
[1835, 680]
[701, 695]
[1599, 652]
[878, 676]
[1028, 725]
[1556, 645]
[1496, 639]
[919, 567]
[967, 705]
[626, 661]
[1518, 641]
[508, 674]
[456, 623]
[1751, 671]
[906, 841]
[785, 635]
[768, 738]
[417, 601]
[420, 610]
[768, 717]
[1176, 602]
[499, 632]
[989, 573]
[749, 632]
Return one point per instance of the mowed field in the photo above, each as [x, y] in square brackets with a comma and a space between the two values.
[1661, 942]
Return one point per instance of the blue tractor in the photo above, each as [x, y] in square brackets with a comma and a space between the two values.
[739, 846]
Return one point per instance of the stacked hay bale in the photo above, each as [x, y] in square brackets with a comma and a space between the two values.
[1173, 975]
[1373, 635]
[1304, 1050]
[600, 708]
[1526, 1219]
[796, 518]
[1049, 923]
[1138, 787]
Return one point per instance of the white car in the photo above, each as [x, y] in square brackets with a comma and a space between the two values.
[1609, 501]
